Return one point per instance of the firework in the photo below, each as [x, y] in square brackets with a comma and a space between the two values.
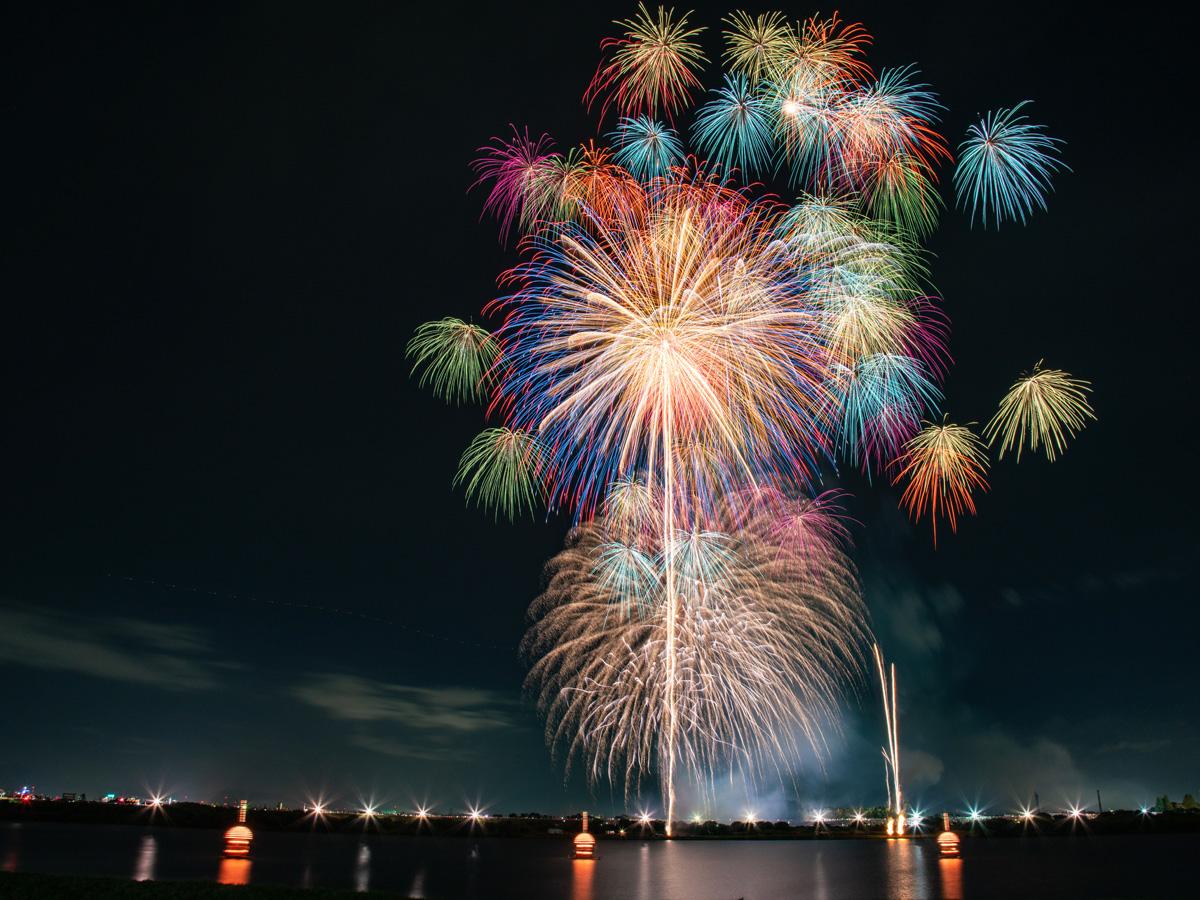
[1005, 166]
[893, 117]
[1044, 408]
[944, 464]
[756, 48]
[456, 358]
[678, 361]
[763, 645]
[677, 323]
[646, 147]
[902, 191]
[734, 128]
[499, 470]
[514, 169]
[882, 400]
[653, 67]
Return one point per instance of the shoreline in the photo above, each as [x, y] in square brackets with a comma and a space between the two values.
[204, 816]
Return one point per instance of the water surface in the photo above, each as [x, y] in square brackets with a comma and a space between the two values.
[447, 868]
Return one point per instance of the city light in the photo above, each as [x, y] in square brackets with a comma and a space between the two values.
[422, 812]
[858, 817]
[644, 818]
[156, 801]
[915, 819]
[697, 818]
[1075, 812]
[1144, 810]
[819, 817]
[1026, 813]
[974, 815]
[477, 814]
[368, 811]
[750, 817]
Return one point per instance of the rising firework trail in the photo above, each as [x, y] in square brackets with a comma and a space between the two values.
[891, 753]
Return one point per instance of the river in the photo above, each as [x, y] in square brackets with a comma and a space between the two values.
[450, 868]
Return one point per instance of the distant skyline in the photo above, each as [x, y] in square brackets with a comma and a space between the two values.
[234, 564]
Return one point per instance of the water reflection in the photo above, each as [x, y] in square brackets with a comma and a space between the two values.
[147, 855]
[905, 870]
[234, 871]
[644, 892]
[416, 890]
[951, 870]
[820, 879]
[362, 869]
[582, 873]
[12, 856]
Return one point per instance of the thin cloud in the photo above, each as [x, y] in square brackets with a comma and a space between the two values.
[172, 657]
[446, 709]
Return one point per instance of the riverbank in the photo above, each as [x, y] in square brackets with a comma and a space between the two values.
[199, 815]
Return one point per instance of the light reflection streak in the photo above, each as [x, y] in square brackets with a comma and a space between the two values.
[951, 871]
[362, 869]
[905, 869]
[582, 873]
[234, 871]
[147, 856]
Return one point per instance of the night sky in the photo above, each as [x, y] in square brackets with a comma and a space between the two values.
[233, 561]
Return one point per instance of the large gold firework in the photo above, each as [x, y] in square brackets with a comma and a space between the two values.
[1043, 409]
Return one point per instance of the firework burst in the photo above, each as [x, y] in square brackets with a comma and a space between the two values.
[1005, 166]
[645, 147]
[500, 472]
[734, 128]
[455, 358]
[1043, 409]
[653, 66]
[763, 646]
[679, 359]
[944, 465]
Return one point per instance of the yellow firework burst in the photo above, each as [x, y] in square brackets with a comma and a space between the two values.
[756, 46]
[653, 66]
[1043, 409]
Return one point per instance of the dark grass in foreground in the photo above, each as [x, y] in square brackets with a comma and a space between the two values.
[38, 887]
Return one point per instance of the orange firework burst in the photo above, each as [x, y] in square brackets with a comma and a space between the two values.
[943, 464]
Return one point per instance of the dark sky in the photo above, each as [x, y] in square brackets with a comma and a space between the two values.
[233, 561]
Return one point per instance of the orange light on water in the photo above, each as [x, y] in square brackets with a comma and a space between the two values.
[234, 871]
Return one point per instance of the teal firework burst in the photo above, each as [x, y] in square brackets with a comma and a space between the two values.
[645, 147]
[1005, 167]
[734, 129]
